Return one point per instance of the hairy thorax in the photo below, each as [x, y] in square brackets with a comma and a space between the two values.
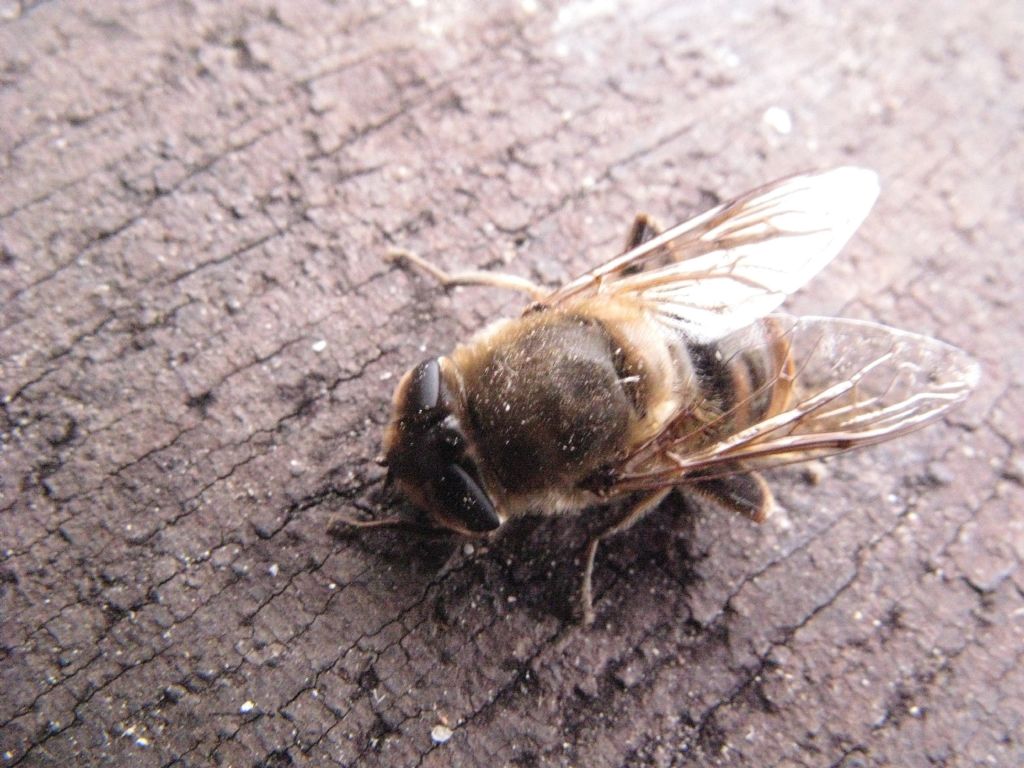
[553, 397]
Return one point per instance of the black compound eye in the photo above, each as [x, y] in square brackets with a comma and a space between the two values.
[465, 501]
[424, 386]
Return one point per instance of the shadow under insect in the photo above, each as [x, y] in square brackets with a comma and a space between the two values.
[533, 563]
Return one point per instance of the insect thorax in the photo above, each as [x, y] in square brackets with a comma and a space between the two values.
[549, 400]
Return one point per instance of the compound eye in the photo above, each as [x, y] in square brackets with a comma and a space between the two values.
[465, 501]
[424, 386]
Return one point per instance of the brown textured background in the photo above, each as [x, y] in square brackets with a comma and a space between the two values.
[199, 341]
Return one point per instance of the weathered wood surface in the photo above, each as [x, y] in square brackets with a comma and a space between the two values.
[199, 341]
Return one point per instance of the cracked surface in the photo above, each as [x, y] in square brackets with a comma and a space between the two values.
[198, 342]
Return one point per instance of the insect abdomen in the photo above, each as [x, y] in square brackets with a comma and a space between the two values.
[741, 379]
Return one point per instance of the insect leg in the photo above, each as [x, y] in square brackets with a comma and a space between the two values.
[469, 276]
[643, 229]
[747, 494]
[339, 524]
[628, 518]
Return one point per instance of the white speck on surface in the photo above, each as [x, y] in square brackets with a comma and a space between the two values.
[440, 733]
[142, 741]
[9, 11]
[726, 56]
[574, 14]
[319, 346]
[814, 472]
[467, 549]
[247, 707]
[274, 569]
[386, 375]
[778, 120]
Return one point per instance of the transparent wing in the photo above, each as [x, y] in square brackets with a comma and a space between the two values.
[846, 384]
[738, 261]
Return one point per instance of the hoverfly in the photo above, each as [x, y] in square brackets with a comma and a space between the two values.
[665, 368]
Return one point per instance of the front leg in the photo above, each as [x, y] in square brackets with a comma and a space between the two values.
[342, 526]
[469, 276]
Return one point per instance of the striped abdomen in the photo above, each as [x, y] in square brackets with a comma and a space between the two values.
[740, 380]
